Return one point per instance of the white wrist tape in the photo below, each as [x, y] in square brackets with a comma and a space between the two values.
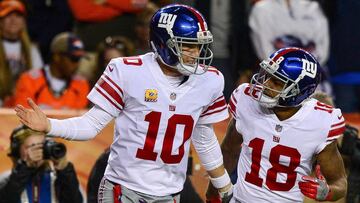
[228, 193]
[221, 181]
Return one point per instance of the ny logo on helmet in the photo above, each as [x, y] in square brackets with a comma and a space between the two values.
[167, 20]
[309, 67]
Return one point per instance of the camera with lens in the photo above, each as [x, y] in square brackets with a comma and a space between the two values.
[53, 149]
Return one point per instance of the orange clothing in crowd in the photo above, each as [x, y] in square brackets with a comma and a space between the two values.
[34, 84]
[91, 11]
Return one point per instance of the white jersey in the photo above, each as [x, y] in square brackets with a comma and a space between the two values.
[154, 121]
[276, 154]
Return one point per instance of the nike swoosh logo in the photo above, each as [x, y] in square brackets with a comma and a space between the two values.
[340, 117]
[111, 68]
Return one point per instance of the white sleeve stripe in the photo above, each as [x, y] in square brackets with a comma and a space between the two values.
[338, 126]
[113, 85]
[220, 108]
[232, 112]
[336, 132]
[216, 106]
[212, 112]
[108, 97]
[232, 98]
[104, 85]
[219, 98]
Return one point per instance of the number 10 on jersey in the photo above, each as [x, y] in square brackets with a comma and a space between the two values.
[154, 117]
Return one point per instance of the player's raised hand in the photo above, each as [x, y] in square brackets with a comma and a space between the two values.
[315, 188]
[34, 118]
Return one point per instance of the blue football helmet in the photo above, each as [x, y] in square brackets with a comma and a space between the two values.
[175, 26]
[296, 68]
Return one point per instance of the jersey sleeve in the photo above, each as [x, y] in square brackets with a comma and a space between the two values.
[216, 111]
[234, 99]
[336, 129]
[108, 92]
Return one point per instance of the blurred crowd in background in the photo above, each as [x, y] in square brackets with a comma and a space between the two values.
[54, 51]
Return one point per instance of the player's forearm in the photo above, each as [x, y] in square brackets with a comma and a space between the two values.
[80, 128]
[334, 171]
[207, 147]
[231, 147]
[230, 158]
[221, 186]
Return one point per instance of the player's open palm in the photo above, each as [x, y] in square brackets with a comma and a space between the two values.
[34, 118]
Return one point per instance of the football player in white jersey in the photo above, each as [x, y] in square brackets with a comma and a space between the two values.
[159, 101]
[278, 132]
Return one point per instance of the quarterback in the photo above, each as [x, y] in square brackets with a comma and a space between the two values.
[160, 101]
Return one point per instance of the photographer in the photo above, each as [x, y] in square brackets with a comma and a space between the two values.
[41, 171]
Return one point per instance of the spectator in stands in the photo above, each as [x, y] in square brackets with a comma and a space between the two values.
[277, 24]
[97, 19]
[142, 29]
[111, 47]
[56, 86]
[38, 176]
[17, 54]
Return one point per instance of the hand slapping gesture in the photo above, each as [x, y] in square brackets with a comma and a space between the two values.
[34, 118]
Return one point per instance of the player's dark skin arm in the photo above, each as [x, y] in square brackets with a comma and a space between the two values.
[332, 167]
[230, 148]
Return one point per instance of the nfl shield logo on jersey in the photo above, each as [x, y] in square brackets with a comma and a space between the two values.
[151, 95]
[173, 96]
[278, 128]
